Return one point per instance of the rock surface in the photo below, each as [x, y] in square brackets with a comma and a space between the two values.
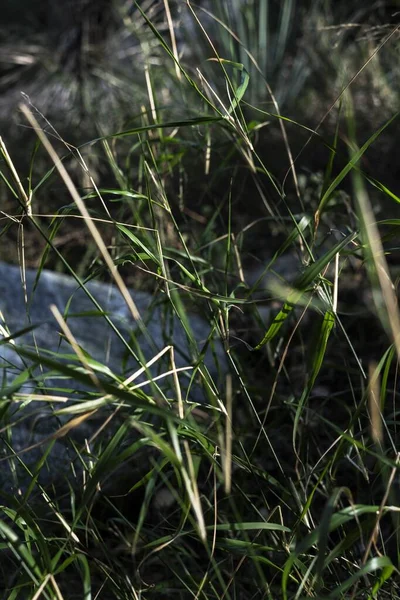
[33, 421]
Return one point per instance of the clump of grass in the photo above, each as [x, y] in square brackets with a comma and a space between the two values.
[282, 483]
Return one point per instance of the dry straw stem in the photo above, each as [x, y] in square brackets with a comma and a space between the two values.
[375, 532]
[227, 449]
[382, 271]
[26, 201]
[84, 212]
[173, 39]
[374, 404]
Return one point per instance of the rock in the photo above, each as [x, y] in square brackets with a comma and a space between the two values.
[282, 272]
[34, 421]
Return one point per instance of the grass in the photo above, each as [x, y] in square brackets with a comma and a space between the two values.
[283, 482]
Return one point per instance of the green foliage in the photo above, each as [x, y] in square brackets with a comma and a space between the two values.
[278, 484]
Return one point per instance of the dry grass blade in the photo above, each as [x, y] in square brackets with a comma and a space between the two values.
[82, 208]
[374, 405]
[376, 255]
[26, 201]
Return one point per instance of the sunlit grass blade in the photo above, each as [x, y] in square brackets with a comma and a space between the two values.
[378, 563]
[383, 290]
[336, 520]
[300, 285]
[240, 90]
[320, 347]
[349, 167]
[315, 365]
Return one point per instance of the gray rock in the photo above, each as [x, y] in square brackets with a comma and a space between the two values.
[33, 421]
[263, 280]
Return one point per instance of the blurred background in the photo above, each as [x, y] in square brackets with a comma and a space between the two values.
[95, 68]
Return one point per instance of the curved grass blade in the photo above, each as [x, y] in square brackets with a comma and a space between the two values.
[22, 553]
[84, 570]
[377, 563]
[137, 242]
[133, 397]
[300, 285]
[244, 81]
[354, 160]
[383, 188]
[319, 352]
[388, 358]
[316, 363]
[337, 520]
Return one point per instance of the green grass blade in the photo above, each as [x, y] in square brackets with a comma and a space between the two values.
[300, 285]
[350, 165]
